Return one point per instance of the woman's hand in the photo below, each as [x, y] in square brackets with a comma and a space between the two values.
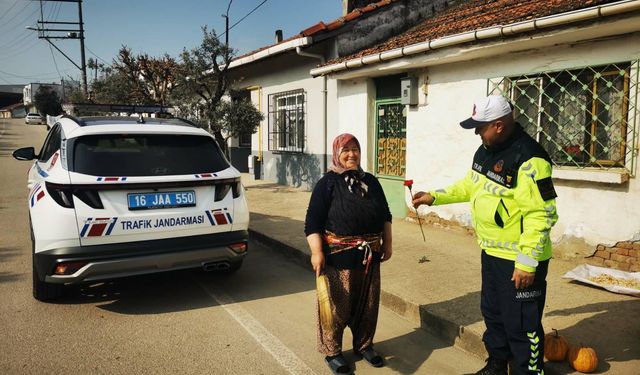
[387, 236]
[387, 252]
[317, 256]
[317, 262]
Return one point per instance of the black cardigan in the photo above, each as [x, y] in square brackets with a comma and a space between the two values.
[334, 208]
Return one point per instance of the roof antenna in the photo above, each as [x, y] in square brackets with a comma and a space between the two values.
[140, 119]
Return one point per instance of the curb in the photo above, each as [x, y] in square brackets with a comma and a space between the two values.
[437, 325]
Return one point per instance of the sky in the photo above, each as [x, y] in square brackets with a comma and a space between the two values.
[154, 27]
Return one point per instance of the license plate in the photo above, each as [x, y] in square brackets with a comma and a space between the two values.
[168, 199]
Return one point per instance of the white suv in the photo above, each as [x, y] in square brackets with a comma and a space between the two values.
[33, 118]
[112, 197]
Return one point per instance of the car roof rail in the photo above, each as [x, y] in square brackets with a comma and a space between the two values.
[74, 119]
[188, 122]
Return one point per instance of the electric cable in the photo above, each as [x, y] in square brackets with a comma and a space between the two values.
[245, 16]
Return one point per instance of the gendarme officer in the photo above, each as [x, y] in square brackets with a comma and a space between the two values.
[513, 209]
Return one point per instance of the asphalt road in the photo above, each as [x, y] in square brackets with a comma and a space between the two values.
[260, 320]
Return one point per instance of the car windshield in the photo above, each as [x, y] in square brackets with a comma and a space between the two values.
[145, 155]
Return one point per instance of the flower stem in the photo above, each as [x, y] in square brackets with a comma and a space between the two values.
[418, 216]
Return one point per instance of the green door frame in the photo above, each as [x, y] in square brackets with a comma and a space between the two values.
[393, 186]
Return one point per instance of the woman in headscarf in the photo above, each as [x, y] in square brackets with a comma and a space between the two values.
[348, 228]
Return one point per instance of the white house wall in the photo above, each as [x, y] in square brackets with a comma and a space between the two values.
[286, 73]
[439, 151]
[356, 98]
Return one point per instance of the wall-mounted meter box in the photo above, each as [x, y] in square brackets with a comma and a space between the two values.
[409, 91]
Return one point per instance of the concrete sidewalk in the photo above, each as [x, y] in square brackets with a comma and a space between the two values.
[436, 283]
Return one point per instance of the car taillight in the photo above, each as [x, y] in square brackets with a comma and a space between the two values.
[236, 189]
[90, 197]
[239, 247]
[68, 268]
[221, 191]
[61, 194]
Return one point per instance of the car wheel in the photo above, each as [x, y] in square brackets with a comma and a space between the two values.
[43, 291]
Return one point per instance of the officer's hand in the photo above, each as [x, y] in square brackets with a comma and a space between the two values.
[522, 279]
[422, 198]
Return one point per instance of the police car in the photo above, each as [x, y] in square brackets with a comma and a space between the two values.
[117, 196]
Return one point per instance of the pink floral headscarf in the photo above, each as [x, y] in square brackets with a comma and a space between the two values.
[338, 144]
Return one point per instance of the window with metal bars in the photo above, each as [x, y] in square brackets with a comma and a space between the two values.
[584, 118]
[287, 121]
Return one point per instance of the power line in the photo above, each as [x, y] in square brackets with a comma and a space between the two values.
[93, 53]
[245, 16]
[43, 75]
[21, 21]
[9, 10]
[54, 61]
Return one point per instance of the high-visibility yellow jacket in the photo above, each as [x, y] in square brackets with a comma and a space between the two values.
[512, 200]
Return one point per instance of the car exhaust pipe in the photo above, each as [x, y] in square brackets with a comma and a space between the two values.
[216, 266]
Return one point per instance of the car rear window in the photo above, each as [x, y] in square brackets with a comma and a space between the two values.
[146, 155]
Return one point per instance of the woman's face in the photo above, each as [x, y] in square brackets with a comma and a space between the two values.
[350, 155]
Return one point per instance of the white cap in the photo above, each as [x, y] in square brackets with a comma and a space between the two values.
[486, 110]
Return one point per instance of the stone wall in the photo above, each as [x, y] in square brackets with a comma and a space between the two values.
[624, 256]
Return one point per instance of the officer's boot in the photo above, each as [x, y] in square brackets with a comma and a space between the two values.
[494, 366]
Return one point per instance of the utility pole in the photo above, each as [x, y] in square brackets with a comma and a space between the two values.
[226, 25]
[85, 88]
[46, 33]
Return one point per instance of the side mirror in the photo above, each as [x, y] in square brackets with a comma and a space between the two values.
[25, 153]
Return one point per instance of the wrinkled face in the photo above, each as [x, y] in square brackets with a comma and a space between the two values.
[350, 155]
[489, 132]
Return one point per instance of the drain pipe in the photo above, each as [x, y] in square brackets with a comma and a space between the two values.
[300, 52]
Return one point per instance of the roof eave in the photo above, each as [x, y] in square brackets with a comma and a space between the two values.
[271, 51]
[540, 23]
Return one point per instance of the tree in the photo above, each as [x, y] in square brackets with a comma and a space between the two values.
[232, 118]
[151, 79]
[201, 83]
[115, 88]
[47, 101]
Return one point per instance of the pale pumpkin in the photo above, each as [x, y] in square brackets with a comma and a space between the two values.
[583, 359]
[555, 346]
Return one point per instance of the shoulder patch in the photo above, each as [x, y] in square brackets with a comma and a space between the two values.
[546, 189]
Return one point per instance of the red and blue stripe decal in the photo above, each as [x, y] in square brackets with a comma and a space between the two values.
[206, 175]
[36, 194]
[111, 179]
[98, 227]
[41, 172]
[219, 217]
[54, 159]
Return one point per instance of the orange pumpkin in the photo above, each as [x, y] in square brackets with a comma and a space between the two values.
[583, 359]
[555, 346]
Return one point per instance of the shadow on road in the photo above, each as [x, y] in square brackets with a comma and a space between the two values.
[264, 274]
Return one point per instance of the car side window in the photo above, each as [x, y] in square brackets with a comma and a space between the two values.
[51, 144]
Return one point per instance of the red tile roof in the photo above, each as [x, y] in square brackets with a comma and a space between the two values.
[322, 27]
[473, 15]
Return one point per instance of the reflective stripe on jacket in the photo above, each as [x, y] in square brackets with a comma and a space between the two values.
[512, 201]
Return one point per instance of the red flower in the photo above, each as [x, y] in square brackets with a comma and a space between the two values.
[408, 183]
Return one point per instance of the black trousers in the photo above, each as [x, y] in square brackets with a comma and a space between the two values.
[513, 316]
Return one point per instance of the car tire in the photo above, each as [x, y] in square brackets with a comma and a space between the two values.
[43, 291]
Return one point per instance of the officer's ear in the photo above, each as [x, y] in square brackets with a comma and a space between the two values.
[500, 126]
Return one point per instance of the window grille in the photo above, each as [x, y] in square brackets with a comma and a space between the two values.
[287, 121]
[584, 118]
[244, 140]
